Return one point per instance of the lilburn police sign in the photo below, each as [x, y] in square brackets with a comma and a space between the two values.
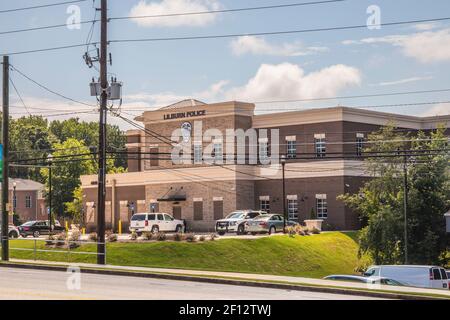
[182, 115]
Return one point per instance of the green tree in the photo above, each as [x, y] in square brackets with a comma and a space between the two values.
[29, 139]
[70, 162]
[74, 208]
[380, 201]
[88, 132]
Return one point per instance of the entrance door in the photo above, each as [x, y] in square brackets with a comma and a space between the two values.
[176, 212]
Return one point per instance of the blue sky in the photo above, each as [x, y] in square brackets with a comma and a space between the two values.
[282, 67]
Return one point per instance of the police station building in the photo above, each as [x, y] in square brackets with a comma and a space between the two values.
[200, 162]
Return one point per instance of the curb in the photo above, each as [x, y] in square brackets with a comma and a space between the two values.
[205, 279]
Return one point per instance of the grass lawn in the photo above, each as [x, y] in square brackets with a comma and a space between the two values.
[308, 256]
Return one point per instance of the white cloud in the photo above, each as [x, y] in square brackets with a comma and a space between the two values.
[425, 26]
[289, 81]
[426, 47]
[403, 81]
[440, 109]
[259, 46]
[146, 102]
[164, 7]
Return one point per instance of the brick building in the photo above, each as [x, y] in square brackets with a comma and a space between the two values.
[26, 198]
[321, 147]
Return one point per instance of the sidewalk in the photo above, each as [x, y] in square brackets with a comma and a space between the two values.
[183, 274]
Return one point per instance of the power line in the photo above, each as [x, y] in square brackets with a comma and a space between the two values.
[425, 103]
[236, 35]
[356, 96]
[227, 35]
[47, 49]
[18, 94]
[177, 14]
[41, 6]
[50, 90]
[43, 27]
[279, 6]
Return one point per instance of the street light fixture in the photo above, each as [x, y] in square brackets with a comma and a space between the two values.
[283, 165]
[50, 162]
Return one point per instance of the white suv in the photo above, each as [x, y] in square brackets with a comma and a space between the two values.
[155, 222]
[235, 221]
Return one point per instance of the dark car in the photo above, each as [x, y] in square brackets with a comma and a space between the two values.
[38, 228]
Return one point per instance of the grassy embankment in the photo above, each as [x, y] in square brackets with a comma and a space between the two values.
[306, 256]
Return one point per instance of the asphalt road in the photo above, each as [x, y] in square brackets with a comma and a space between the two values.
[49, 285]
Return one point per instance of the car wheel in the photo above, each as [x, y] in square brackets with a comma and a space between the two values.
[36, 234]
[221, 233]
[272, 230]
[241, 230]
[139, 234]
[179, 229]
[13, 235]
[155, 229]
[253, 233]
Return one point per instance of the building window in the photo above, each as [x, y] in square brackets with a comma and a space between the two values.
[359, 144]
[320, 145]
[218, 152]
[154, 157]
[292, 207]
[263, 149]
[198, 153]
[291, 147]
[321, 206]
[28, 202]
[264, 203]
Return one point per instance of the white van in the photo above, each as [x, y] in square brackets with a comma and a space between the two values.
[416, 276]
[155, 222]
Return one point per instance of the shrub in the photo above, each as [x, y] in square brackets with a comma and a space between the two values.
[60, 239]
[315, 231]
[93, 237]
[50, 241]
[202, 238]
[133, 236]
[112, 237]
[108, 233]
[327, 227]
[190, 237]
[212, 237]
[161, 236]
[147, 235]
[75, 235]
[291, 231]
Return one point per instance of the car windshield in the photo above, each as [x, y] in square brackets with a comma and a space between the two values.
[236, 215]
[263, 217]
[138, 217]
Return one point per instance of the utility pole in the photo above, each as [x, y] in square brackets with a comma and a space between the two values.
[405, 204]
[283, 165]
[50, 193]
[101, 252]
[5, 172]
